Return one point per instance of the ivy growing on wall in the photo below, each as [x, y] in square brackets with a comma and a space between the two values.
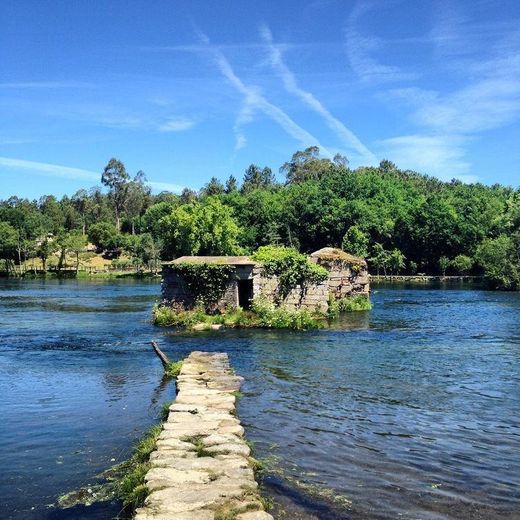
[207, 282]
[291, 267]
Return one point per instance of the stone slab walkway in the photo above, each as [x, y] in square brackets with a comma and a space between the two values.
[201, 468]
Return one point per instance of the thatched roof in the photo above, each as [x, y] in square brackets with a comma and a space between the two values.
[219, 260]
[332, 254]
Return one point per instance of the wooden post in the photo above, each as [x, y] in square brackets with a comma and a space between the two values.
[162, 356]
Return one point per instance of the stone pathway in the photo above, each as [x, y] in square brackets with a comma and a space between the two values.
[201, 468]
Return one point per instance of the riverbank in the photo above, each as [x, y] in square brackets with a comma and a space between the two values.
[81, 275]
[422, 278]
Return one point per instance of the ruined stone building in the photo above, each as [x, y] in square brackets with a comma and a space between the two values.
[348, 276]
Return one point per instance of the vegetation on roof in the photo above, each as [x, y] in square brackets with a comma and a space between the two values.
[333, 255]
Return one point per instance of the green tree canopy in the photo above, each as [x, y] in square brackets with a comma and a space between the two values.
[206, 228]
[116, 178]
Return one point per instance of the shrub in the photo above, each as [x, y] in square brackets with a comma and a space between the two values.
[462, 264]
[347, 304]
[270, 316]
[354, 303]
[499, 258]
[291, 267]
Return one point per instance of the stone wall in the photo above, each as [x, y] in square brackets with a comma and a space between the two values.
[310, 297]
[347, 278]
[174, 289]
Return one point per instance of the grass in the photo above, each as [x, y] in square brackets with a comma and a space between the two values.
[348, 304]
[198, 445]
[131, 488]
[354, 304]
[173, 369]
[263, 315]
[165, 411]
[250, 500]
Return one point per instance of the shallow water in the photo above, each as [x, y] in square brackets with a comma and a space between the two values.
[407, 411]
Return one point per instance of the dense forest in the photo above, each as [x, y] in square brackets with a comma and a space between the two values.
[401, 221]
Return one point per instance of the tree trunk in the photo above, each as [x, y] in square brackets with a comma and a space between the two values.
[162, 356]
[19, 249]
[61, 260]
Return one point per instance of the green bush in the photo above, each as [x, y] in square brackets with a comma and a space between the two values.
[354, 303]
[348, 304]
[462, 264]
[273, 317]
[291, 267]
[499, 258]
[263, 314]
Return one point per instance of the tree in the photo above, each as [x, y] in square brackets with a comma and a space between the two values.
[80, 202]
[462, 264]
[444, 263]
[103, 235]
[231, 184]
[206, 228]
[340, 160]
[380, 257]
[145, 251]
[213, 187]
[115, 177]
[74, 243]
[499, 258]
[188, 195]
[45, 249]
[396, 261]
[52, 212]
[138, 195]
[387, 166]
[355, 242]
[306, 165]
[150, 221]
[257, 178]
[8, 244]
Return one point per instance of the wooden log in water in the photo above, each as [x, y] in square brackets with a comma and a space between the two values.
[161, 355]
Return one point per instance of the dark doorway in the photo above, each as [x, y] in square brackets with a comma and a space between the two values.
[245, 293]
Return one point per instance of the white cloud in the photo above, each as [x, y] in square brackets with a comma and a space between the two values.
[45, 84]
[346, 135]
[254, 100]
[67, 172]
[442, 156]
[477, 90]
[177, 124]
[360, 49]
[166, 186]
[50, 170]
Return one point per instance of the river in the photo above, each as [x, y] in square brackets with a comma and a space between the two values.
[407, 411]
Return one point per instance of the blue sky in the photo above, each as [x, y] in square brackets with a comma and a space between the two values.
[185, 90]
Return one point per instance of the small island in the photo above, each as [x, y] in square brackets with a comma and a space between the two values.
[276, 287]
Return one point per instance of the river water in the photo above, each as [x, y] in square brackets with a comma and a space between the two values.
[408, 411]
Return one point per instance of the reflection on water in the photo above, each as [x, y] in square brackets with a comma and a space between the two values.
[407, 411]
